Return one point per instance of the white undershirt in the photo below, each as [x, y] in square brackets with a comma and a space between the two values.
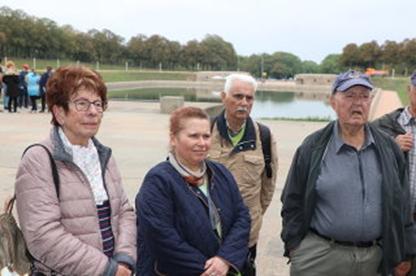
[86, 158]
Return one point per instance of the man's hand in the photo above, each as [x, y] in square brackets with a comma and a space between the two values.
[216, 266]
[123, 271]
[402, 269]
[405, 141]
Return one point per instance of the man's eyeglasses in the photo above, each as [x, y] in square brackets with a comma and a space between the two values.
[83, 105]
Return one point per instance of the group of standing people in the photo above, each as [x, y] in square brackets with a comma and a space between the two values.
[18, 88]
[192, 216]
[346, 208]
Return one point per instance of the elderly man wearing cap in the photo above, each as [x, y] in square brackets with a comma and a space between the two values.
[400, 124]
[345, 202]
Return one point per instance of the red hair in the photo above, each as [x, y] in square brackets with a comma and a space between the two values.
[66, 81]
[178, 117]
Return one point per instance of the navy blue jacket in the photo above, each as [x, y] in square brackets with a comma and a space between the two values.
[175, 236]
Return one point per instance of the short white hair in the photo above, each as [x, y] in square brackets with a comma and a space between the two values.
[230, 79]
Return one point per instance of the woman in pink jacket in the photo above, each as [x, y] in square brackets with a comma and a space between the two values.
[87, 226]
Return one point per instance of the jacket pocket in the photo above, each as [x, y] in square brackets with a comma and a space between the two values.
[157, 271]
[251, 170]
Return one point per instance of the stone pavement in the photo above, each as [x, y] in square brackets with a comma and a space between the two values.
[138, 135]
[384, 102]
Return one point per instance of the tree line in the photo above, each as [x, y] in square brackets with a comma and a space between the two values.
[25, 36]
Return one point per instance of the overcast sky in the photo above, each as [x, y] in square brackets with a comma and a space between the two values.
[309, 29]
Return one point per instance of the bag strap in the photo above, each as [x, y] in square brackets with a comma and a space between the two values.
[10, 204]
[212, 121]
[55, 174]
[266, 146]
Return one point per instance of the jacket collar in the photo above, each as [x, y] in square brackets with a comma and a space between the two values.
[339, 142]
[248, 141]
[59, 152]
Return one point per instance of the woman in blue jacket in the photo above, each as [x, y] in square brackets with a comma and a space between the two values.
[191, 218]
[32, 80]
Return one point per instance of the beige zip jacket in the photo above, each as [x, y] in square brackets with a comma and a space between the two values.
[246, 163]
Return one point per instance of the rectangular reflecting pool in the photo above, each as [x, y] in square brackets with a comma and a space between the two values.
[267, 104]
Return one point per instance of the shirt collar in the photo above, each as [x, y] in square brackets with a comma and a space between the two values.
[249, 138]
[406, 117]
[339, 142]
[69, 147]
[230, 131]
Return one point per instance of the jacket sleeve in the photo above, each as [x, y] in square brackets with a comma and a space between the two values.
[293, 211]
[269, 184]
[156, 222]
[125, 248]
[40, 219]
[234, 248]
[409, 225]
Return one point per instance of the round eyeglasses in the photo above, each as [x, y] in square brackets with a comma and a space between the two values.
[83, 105]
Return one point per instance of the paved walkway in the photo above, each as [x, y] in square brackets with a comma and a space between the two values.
[384, 102]
[138, 135]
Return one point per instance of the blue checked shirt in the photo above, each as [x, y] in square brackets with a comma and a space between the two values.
[408, 124]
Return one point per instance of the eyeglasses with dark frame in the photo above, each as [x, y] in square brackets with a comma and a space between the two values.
[83, 105]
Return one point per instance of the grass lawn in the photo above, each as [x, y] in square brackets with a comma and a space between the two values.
[110, 73]
[398, 84]
[118, 75]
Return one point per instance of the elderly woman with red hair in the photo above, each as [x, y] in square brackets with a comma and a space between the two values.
[191, 218]
[87, 227]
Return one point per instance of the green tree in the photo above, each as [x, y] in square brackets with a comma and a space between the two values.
[369, 54]
[84, 48]
[350, 55]
[192, 55]
[252, 64]
[108, 46]
[285, 65]
[408, 56]
[331, 64]
[390, 53]
[136, 49]
[218, 53]
[157, 50]
[309, 66]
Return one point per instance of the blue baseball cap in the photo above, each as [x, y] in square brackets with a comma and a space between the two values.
[413, 78]
[346, 80]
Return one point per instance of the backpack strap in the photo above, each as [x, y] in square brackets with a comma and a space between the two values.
[55, 174]
[212, 121]
[266, 146]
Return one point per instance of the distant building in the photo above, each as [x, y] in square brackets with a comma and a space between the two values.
[214, 75]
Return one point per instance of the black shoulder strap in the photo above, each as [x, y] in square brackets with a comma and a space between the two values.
[266, 146]
[55, 174]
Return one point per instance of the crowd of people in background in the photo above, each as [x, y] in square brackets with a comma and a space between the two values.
[20, 90]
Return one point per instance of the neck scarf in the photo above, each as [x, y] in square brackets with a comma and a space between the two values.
[194, 178]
